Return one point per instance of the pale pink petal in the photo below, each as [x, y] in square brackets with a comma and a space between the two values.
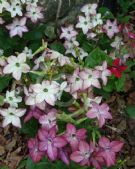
[116, 145]
[103, 142]
[52, 152]
[6, 121]
[84, 147]
[76, 156]
[59, 142]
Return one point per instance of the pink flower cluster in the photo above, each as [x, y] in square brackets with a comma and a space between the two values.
[72, 145]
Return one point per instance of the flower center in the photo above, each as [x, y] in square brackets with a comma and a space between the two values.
[85, 23]
[77, 79]
[73, 135]
[109, 27]
[45, 90]
[11, 98]
[90, 76]
[11, 113]
[17, 64]
[49, 141]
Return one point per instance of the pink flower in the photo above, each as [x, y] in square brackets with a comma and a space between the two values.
[90, 78]
[68, 33]
[82, 156]
[34, 151]
[74, 136]
[48, 121]
[64, 155]
[33, 112]
[104, 72]
[75, 82]
[96, 160]
[17, 27]
[50, 143]
[109, 150]
[111, 28]
[101, 112]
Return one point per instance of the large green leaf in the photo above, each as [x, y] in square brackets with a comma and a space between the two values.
[30, 128]
[4, 82]
[96, 57]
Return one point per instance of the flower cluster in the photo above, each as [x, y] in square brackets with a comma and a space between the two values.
[51, 86]
[16, 9]
[72, 145]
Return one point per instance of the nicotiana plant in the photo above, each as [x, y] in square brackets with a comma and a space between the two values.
[62, 90]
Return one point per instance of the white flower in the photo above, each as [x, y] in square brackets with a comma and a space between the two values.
[16, 66]
[104, 72]
[34, 13]
[63, 87]
[15, 9]
[71, 44]
[117, 43]
[12, 115]
[12, 99]
[97, 20]
[47, 91]
[80, 54]
[3, 5]
[68, 33]
[33, 2]
[84, 23]
[89, 9]
[17, 27]
[28, 52]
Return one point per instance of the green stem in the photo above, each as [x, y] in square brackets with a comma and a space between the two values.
[77, 113]
[42, 48]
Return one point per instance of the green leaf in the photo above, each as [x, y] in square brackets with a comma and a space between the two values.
[30, 128]
[131, 111]
[106, 13]
[1, 100]
[96, 57]
[30, 164]
[58, 47]
[4, 82]
[120, 83]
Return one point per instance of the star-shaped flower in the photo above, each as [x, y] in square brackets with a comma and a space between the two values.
[117, 68]
[12, 115]
[101, 112]
[104, 72]
[16, 66]
[90, 78]
[17, 27]
[111, 28]
[12, 98]
[84, 23]
[109, 149]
